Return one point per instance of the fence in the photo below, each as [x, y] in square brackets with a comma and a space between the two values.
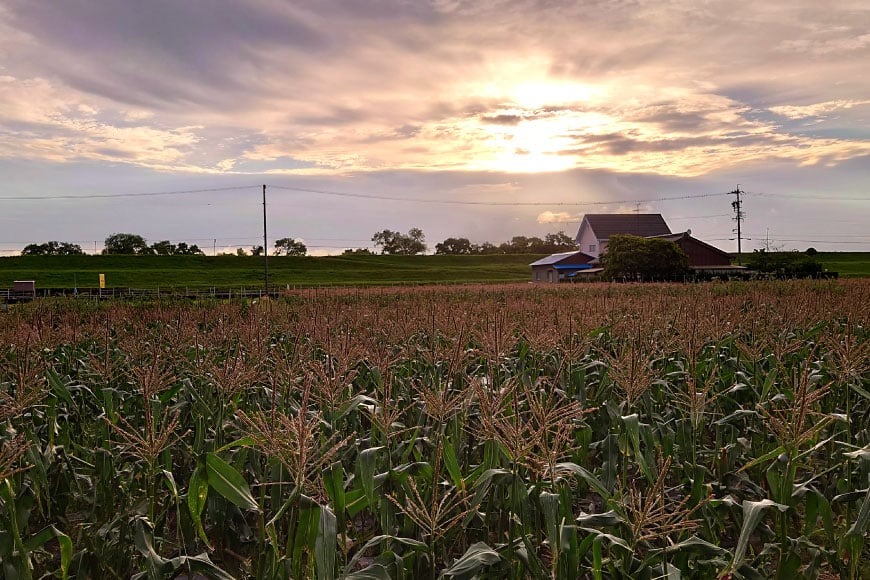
[10, 296]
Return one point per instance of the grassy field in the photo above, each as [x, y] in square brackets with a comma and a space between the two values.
[237, 272]
[516, 431]
[848, 264]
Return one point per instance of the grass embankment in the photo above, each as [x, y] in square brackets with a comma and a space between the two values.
[848, 264]
[236, 272]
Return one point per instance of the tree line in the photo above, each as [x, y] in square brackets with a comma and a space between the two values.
[414, 242]
[386, 242]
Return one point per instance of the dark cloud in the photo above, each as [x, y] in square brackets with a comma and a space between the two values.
[160, 51]
[622, 144]
[111, 152]
[671, 118]
[502, 119]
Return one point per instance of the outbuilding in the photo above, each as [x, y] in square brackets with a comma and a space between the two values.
[701, 254]
[560, 267]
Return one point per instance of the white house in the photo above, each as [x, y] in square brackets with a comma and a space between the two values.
[596, 229]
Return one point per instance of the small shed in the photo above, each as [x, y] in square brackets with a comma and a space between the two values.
[24, 288]
[560, 267]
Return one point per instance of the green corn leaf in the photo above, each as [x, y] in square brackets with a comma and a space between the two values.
[592, 481]
[333, 481]
[474, 560]
[860, 390]
[366, 467]
[66, 547]
[202, 564]
[452, 464]
[246, 441]
[304, 539]
[228, 482]
[608, 518]
[373, 572]
[859, 528]
[325, 544]
[197, 493]
[632, 427]
[764, 458]
[753, 511]
[597, 559]
[550, 508]
[377, 540]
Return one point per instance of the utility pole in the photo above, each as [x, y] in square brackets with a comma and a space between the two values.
[738, 217]
[265, 244]
[214, 247]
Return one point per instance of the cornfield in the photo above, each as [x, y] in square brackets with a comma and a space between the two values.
[654, 431]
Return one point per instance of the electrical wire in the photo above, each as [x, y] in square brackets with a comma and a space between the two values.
[488, 203]
[121, 195]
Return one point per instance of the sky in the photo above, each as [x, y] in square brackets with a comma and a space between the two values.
[483, 119]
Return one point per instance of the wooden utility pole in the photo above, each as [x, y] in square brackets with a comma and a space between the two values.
[738, 217]
[265, 244]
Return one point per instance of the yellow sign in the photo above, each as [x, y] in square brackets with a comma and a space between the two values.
[102, 281]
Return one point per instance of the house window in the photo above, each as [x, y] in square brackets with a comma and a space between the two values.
[592, 247]
[537, 275]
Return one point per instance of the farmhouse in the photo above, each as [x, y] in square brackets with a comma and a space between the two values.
[596, 229]
[561, 267]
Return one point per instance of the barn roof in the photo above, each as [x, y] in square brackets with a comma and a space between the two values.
[688, 236]
[606, 225]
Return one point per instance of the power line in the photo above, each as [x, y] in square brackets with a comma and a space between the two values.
[113, 195]
[798, 197]
[489, 203]
[698, 217]
[819, 241]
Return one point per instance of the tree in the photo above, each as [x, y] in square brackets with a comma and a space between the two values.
[397, 243]
[785, 264]
[357, 252]
[290, 247]
[182, 249]
[167, 248]
[164, 248]
[486, 248]
[257, 251]
[241, 252]
[558, 242]
[634, 257]
[126, 244]
[454, 246]
[52, 248]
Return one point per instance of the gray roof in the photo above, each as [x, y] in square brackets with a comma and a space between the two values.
[606, 225]
[554, 258]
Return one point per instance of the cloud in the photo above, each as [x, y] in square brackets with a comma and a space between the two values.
[343, 88]
[814, 110]
[549, 217]
[57, 125]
